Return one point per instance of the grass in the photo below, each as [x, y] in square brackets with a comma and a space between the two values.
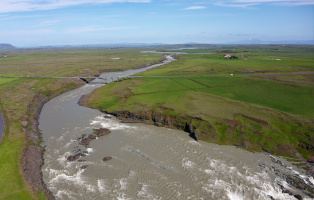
[7, 80]
[13, 186]
[284, 102]
[215, 104]
[257, 112]
[64, 62]
[292, 59]
[16, 95]
[295, 99]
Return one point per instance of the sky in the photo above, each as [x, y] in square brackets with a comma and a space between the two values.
[28, 23]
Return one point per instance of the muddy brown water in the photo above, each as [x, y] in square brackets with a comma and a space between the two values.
[147, 162]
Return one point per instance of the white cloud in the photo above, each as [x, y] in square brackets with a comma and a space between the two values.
[94, 29]
[195, 8]
[7, 6]
[27, 32]
[231, 4]
[248, 3]
[47, 23]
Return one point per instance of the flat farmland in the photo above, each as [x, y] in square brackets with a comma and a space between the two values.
[18, 94]
[257, 111]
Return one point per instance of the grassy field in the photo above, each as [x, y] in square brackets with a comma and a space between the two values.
[16, 95]
[251, 60]
[233, 107]
[72, 62]
[274, 113]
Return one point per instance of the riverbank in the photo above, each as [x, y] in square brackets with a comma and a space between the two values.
[209, 131]
[34, 150]
[32, 159]
[1, 126]
[17, 94]
[259, 113]
[200, 129]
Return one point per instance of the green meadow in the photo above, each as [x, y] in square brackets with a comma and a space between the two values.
[224, 109]
[16, 94]
[257, 112]
[277, 59]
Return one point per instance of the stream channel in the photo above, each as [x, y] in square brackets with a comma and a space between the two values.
[149, 162]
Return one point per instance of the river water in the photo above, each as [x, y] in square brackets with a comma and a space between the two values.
[148, 162]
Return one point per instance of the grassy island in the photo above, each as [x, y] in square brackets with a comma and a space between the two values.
[261, 101]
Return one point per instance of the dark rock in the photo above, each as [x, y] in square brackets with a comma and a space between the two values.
[84, 135]
[85, 142]
[285, 190]
[158, 124]
[107, 158]
[92, 136]
[129, 120]
[76, 150]
[107, 117]
[264, 149]
[310, 159]
[75, 157]
[81, 160]
[275, 160]
[299, 197]
[194, 136]
[245, 145]
[101, 132]
[84, 166]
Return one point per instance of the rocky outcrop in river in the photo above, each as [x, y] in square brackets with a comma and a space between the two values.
[97, 133]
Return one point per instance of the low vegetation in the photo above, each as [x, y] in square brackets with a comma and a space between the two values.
[16, 94]
[256, 112]
[260, 112]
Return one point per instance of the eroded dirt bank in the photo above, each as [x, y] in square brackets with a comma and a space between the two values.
[1, 126]
[32, 158]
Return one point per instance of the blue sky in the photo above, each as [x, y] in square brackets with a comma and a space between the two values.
[57, 22]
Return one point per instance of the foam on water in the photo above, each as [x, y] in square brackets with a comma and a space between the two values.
[234, 196]
[75, 179]
[188, 164]
[107, 123]
[90, 150]
[102, 186]
[64, 194]
[144, 193]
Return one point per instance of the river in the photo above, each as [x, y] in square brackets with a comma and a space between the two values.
[148, 162]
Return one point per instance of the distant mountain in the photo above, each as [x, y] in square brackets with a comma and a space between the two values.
[112, 45]
[4, 46]
[257, 41]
